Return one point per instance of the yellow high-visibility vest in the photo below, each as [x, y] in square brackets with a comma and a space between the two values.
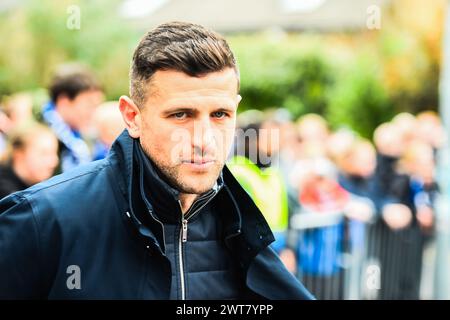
[267, 189]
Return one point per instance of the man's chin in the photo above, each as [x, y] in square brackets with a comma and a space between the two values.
[197, 183]
[196, 187]
[190, 181]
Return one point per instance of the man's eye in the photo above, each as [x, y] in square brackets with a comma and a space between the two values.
[179, 115]
[219, 114]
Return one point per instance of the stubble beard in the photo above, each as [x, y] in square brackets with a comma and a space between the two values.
[173, 176]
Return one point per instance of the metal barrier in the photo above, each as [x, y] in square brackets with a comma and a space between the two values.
[339, 258]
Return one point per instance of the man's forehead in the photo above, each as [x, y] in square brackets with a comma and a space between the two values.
[167, 81]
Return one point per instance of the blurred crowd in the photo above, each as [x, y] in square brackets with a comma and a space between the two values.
[383, 192]
[305, 167]
[74, 127]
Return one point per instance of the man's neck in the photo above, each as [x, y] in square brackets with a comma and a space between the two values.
[186, 201]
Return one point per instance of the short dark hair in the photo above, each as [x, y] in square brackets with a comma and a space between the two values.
[180, 46]
[71, 80]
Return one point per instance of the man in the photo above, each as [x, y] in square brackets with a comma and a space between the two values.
[160, 217]
[74, 94]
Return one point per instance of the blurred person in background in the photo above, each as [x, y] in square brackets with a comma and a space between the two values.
[313, 133]
[108, 125]
[405, 193]
[395, 216]
[320, 247]
[390, 146]
[284, 156]
[257, 146]
[406, 125]
[430, 129]
[4, 124]
[320, 196]
[419, 166]
[312, 137]
[339, 143]
[74, 95]
[18, 108]
[312, 163]
[312, 127]
[357, 167]
[14, 110]
[31, 157]
[319, 190]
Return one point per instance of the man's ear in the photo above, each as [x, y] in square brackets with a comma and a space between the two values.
[131, 115]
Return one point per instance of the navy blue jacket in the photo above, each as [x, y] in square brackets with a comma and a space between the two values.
[93, 222]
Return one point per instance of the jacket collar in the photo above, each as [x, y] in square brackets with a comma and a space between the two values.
[246, 230]
[159, 197]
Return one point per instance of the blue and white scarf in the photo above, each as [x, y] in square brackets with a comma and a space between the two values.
[76, 150]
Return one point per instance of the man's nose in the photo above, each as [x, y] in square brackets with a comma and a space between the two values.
[203, 135]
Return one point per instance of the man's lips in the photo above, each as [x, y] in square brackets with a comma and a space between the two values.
[199, 165]
[198, 161]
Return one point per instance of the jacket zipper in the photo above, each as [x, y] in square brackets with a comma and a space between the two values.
[182, 239]
[180, 253]
[162, 227]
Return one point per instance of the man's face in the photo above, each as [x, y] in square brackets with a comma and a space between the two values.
[187, 126]
[79, 111]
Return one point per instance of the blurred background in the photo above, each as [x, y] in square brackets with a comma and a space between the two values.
[356, 186]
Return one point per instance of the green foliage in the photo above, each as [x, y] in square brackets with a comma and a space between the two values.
[281, 73]
[354, 83]
[37, 39]
[359, 100]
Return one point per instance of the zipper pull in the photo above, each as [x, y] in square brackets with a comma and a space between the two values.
[184, 233]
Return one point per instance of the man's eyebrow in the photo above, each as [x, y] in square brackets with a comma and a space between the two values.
[225, 109]
[194, 110]
[180, 109]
